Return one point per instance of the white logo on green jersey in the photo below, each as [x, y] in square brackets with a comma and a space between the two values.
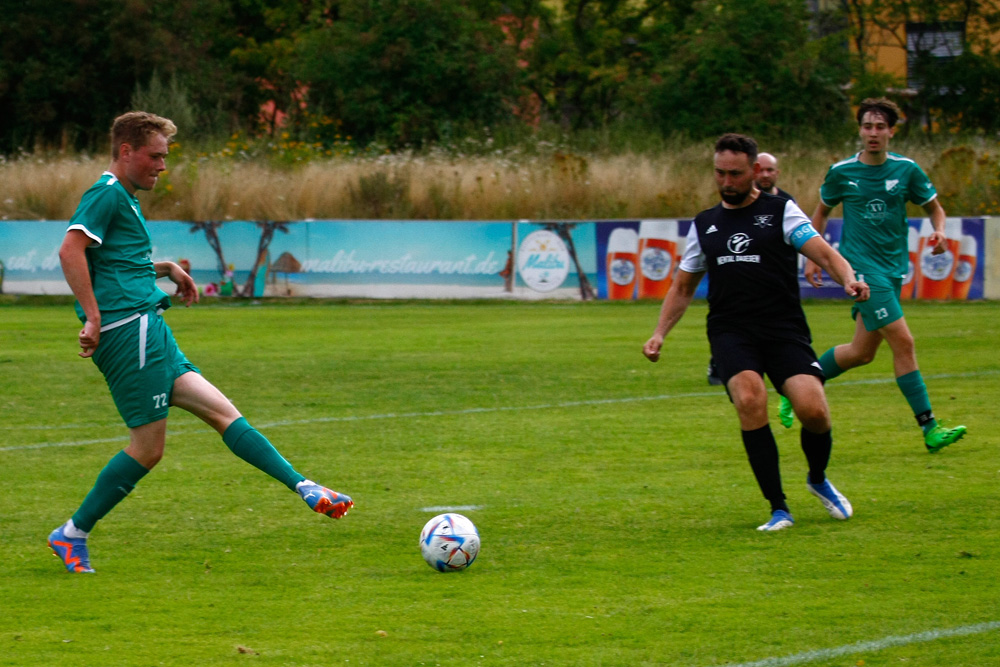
[875, 211]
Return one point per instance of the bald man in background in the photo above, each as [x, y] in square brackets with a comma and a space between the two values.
[767, 179]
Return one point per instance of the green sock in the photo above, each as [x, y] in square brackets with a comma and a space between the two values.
[913, 388]
[829, 364]
[114, 482]
[247, 443]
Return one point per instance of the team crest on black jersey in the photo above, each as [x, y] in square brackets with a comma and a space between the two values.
[738, 243]
[763, 220]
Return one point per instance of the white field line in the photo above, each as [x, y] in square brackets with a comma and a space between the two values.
[447, 413]
[452, 508]
[872, 646]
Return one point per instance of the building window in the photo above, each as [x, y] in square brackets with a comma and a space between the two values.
[930, 45]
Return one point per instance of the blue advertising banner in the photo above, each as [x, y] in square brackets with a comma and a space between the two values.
[637, 259]
[957, 273]
[621, 259]
[332, 258]
[29, 251]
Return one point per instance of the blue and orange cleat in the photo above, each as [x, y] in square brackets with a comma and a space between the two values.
[71, 550]
[323, 500]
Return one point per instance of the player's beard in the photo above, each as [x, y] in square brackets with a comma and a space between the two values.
[734, 198]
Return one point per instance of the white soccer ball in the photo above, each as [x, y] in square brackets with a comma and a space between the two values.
[449, 542]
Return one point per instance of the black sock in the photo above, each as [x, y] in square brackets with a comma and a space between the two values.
[762, 451]
[816, 447]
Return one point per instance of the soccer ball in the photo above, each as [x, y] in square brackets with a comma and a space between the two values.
[449, 542]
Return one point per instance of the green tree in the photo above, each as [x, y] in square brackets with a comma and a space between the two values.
[405, 71]
[68, 68]
[169, 100]
[751, 66]
[590, 61]
[964, 94]
[53, 55]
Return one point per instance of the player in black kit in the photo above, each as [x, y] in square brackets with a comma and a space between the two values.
[748, 244]
[766, 181]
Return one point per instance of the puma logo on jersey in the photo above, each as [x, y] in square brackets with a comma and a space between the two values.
[711, 228]
[890, 184]
[854, 184]
[763, 220]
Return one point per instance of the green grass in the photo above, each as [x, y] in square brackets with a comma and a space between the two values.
[617, 508]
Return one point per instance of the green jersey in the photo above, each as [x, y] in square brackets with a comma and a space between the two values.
[120, 254]
[875, 231]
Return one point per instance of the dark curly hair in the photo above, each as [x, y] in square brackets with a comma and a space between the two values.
[881, 106]
[737, 143]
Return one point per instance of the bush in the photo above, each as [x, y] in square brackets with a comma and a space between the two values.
[750, 66]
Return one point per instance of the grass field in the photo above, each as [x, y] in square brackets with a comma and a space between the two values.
[615, 503]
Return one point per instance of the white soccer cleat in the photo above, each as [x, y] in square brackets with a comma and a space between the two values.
[833, 500]
[780, 519]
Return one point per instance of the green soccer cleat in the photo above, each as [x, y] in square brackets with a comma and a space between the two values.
[785, 413]
[940, 437]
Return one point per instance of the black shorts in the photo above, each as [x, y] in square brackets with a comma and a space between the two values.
[778, 357]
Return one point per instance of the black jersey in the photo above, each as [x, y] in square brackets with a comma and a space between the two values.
[752, 266]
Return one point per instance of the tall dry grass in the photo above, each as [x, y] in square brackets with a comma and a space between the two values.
[555, 184]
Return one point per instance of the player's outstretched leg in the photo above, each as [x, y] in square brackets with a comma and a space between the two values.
[71, 550]
[323, 500]
[940, 437]
[786, 415]
[780, 519]
[833, 500]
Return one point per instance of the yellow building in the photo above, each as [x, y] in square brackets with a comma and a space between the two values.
[890, 36]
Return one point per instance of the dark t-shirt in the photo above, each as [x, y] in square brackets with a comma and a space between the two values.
[752, 262]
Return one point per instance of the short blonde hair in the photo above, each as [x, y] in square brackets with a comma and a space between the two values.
[136, 127]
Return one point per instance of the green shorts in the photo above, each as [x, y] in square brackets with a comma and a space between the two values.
[883, 306]
[140, 361]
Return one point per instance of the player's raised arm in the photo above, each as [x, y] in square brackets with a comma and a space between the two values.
[187, 291]
[812, 271]
[822, 254]
[936, 213]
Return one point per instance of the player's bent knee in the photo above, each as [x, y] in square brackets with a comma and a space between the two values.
[146, 457]
[752, 411]
[857, 357]
[813, 412]
[750, 402]
[817, 421]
